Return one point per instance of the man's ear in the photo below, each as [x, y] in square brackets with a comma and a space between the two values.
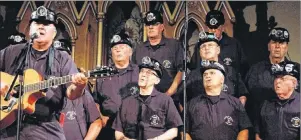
[295, 82]
[55, 32]
[222, 28]
[162, 27]
[218, 49]
[130, 51]
[157, 81]
[223, 78]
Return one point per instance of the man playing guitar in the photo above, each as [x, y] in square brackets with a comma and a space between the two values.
[40, 56]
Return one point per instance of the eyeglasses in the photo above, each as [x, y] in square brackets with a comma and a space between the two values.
[148, 72]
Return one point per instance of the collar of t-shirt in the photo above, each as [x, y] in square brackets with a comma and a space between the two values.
[155, 47]
[124, 70]
[213, 99]
[143, 97]
[154, 93]
[121, 70]
[37, 54]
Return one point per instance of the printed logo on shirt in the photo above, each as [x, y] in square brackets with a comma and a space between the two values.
[134, 90]
[227, 61]
[225, 88]
[228, 120]
[289, 67]
[295, 122]
[166, 64]
[154, 120]
[70, 115]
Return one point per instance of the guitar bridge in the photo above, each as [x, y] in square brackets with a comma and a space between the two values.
[3, 107]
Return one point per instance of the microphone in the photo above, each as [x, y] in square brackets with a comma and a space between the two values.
[34, 36]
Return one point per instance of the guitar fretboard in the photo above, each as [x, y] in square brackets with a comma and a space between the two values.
[48, 83]
[56, 81]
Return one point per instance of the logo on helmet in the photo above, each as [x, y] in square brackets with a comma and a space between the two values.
[213, 21]
[150, 17]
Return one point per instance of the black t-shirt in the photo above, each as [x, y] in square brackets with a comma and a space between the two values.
[143, 97]
[260, 83]
[111, 90]
[223, 119]
[37, 54]
[279, 119]
[158, 114]
[213, 99]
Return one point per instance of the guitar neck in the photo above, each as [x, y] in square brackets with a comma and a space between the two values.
[52, 82]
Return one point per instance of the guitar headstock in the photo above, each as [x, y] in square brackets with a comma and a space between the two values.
[102, 71]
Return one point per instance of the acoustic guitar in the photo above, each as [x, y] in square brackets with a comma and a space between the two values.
[33, 87]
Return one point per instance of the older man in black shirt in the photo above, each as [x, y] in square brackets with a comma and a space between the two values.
[169, 52]
[259, 79]
[148, 114]
[208, 49]
[43, 58]
[231, 53]
[108, 90]
[279, 118]
[216, 115]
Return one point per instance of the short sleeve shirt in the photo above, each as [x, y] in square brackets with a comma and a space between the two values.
[108, 94]
[208, 120]
[79, 113]
[157, 114]
[279, 120]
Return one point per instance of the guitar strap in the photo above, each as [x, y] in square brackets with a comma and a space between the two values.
[25, 52]
[49, 62]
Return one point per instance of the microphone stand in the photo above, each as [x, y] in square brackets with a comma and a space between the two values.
[185, 68]
[19, 72]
